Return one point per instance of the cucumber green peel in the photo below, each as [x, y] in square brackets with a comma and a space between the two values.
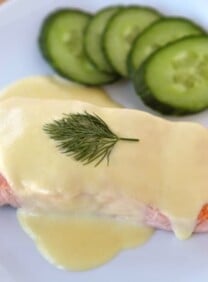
[159, 34]
[121, 31]
[61, 43]
[174, 79]
[93, 38]
[169, 67]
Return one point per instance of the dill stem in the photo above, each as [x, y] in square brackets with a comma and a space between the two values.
[86, 137]
[128, 139]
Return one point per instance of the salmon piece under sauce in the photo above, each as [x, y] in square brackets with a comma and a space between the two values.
[153, 217]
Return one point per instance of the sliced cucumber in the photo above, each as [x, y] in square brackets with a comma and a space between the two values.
[157, 35]
[121, 31]
[93, 38]
[174, 79]
[61, 43]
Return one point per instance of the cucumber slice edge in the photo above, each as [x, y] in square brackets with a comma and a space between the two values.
[46, 54]
[147, 95]
[145, 8]
[100, 12]
[130, 67]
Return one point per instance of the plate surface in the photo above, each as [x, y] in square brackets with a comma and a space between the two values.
[163, 258]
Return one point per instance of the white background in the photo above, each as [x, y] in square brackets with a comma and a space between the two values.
[163, 258]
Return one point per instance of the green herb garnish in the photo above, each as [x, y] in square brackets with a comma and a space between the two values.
[86, 137]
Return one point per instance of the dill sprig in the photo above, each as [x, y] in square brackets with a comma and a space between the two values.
[86, 137]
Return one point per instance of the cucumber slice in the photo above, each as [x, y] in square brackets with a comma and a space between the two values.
[174, 79]
[61, 43]
[93, 38]
[121, 31]
[157, 35]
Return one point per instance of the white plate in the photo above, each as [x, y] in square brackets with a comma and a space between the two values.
[164, 258]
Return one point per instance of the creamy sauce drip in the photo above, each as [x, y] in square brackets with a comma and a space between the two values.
[167, 169]
[47, 87]
[154, 171]
[81, 242]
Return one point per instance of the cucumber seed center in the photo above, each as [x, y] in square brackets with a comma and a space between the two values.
[190, 69]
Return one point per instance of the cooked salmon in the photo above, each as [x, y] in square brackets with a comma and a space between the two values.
[153, 217]
[146, 182]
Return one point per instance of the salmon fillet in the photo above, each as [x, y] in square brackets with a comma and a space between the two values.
[153, 217]
[7, 196]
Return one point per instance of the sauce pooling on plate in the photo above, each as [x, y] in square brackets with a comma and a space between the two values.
[81, 242]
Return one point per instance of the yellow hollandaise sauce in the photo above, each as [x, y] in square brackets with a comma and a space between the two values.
[79, 243]
[48, 87]
[166, 169]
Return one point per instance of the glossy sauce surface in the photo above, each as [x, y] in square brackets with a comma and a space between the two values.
[167, 169]
[47, 87]
[81, 242]
[154, 171]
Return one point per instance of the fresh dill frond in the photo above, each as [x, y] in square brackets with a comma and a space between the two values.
[85, 137]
